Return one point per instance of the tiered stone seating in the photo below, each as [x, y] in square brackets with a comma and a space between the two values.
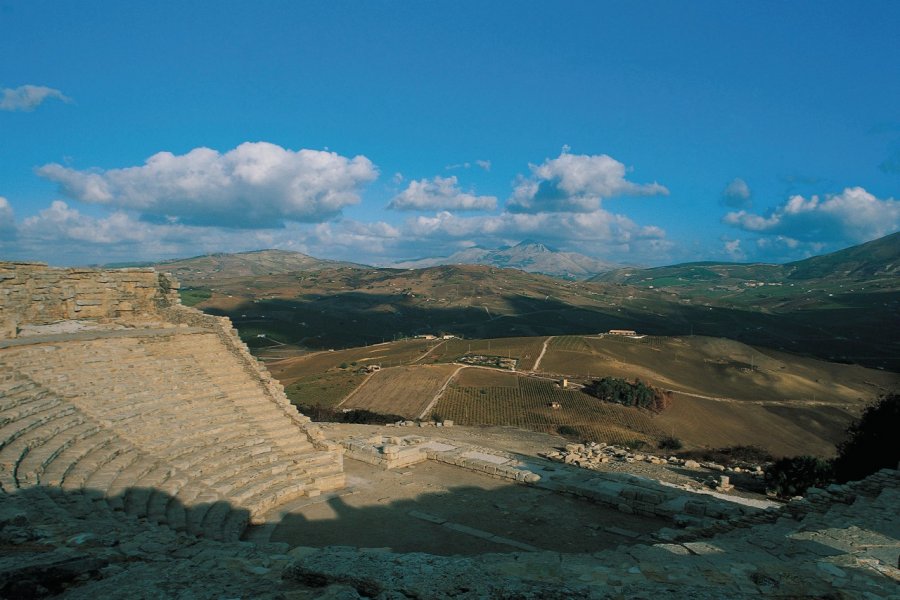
[47, 441]
[168, 425]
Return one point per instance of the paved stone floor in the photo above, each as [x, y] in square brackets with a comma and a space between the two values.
[441, 509]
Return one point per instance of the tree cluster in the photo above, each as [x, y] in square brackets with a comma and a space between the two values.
[627, 393]
[870, 445]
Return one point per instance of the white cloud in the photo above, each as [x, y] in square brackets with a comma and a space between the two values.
[733, 249]
[26, 98]
[484, 164]
[440, 193]
[597, 230]
[737, 194]
[853, 216]
[575, 183]
[257, 184]
[7, 217]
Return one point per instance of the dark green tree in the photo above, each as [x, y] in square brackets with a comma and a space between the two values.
[872, 442]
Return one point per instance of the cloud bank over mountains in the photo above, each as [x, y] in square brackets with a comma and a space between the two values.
[261, 195]
[853, 216]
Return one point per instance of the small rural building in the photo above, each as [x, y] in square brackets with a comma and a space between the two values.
[622, 332]
[555, 405]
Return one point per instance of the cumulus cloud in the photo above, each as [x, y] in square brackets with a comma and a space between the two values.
[737, 194]
[853, 216]
[440, 193]
[26, 98]
[575, 183]
[257, 184]
[599, 227]
[733, 249]
[7, 217]
[484, 164]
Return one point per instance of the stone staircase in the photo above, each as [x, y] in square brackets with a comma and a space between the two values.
[170, 426]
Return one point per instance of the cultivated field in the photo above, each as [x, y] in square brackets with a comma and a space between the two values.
[323, 389]
[404, 391]
[473, 377]
[385, 355]
[526, 349]
[527, 405]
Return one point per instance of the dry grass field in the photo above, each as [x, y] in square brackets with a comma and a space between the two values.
[385, 355]
[783, 430]
[404, 391]
[718, 368]
[527, 405]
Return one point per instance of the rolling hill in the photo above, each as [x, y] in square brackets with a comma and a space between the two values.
[529, 256]
[202, 269]
[848, 315]
[877, 261]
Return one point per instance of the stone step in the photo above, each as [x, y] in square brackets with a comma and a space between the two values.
[20, 399]
[34, 436]
[129, 477]
[202, 452]
[55, 472]
[137, 497]
[218, 464]
[36, 460]
[183, 501]
[163, 494]
[47, 402]
[235, 524]
[214, 519]
[229, 477]
[261, 500]
[81, 472]
[102, 478]
[197, 511]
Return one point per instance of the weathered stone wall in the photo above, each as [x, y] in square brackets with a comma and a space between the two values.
[35, 294]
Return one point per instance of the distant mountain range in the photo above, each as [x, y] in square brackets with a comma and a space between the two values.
[875, 260]
[529, 256]
[243, 264]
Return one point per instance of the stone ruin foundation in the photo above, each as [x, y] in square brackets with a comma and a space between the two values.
[139, 439]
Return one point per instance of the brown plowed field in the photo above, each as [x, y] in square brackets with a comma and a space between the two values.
[404, 391]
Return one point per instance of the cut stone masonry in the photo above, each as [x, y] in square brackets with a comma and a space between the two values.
[154, 409]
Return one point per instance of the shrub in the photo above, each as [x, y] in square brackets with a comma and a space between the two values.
[319, 413]
[621, 391]
[792, 476]
[670, 443]
[566, 430]
[871, 442]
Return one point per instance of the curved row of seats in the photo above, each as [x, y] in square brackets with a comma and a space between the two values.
[169, 427]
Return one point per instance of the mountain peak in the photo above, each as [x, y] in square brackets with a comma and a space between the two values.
[534, 245]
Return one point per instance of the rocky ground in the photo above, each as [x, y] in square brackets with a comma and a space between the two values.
[840, 543]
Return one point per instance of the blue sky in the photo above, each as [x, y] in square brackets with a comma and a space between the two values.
[638, 132]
